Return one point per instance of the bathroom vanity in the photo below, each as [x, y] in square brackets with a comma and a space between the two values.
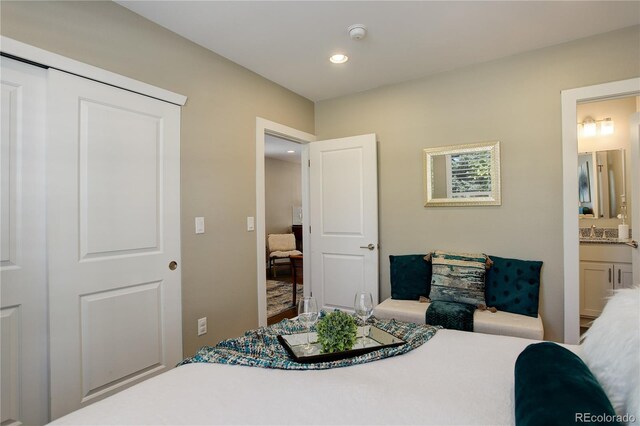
[604, 266]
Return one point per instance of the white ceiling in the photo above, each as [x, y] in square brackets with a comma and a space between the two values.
[275, 147]
[289, 42]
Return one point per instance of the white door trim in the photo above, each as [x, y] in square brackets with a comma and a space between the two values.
[263, 127]
[635, 192]
[39, 56]
[569, 101]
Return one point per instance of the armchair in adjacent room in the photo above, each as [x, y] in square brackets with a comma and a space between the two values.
[280, 248]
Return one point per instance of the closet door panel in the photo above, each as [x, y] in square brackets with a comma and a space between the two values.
[119, 206]
[114, 209]
[23, 282]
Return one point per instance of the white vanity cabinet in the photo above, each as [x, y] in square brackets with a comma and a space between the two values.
[603, 268]
[623, 275]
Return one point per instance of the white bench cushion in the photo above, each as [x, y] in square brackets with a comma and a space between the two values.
[500, 323]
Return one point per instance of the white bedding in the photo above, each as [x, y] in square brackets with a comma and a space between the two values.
[454, 378]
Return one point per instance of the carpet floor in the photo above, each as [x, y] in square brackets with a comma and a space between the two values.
[279, 296]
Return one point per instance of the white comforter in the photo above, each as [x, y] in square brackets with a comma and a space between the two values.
[455, 378]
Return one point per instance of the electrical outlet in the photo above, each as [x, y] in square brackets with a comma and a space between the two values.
[202, 326]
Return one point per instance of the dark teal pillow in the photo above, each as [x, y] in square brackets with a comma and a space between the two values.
[513, 285]
[410, 276]
[554, 387]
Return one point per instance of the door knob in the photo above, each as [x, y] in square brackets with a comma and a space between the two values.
[173, 265]
[370, 247]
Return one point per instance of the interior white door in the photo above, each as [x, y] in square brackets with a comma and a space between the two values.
[23, 280]
[635, 188]
[113, 199]
[344, 220]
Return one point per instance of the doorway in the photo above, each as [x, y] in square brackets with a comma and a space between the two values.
[606, 200]
[283, 226]
[570, 100]
[269, 132]
[340, 177]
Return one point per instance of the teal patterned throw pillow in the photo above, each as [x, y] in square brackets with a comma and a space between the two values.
[513, 285]
[458, 277]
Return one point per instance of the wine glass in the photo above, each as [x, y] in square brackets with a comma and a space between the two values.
[363, 306]
[308, 315]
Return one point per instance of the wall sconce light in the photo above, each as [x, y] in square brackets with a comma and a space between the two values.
[591, 127]
[606, 127]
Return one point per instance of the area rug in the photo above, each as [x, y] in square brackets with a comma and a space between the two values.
[279, 297]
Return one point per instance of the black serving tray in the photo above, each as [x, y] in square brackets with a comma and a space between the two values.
[375, 339]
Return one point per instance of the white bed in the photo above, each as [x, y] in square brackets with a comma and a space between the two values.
[454, 378]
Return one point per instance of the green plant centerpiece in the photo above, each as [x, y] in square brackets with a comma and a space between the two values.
[337, 332]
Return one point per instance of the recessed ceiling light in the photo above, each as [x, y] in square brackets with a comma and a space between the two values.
[291, 151]
[339, 58]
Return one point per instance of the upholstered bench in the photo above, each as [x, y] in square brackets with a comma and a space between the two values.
[511, 286]
[501, 323]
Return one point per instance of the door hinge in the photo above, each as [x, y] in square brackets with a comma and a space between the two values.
[309, 228]
[309, 163]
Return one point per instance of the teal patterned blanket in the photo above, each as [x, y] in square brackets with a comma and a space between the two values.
[450, 315]
[260, 347]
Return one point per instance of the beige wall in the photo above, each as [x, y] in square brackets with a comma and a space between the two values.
[217, 141]
[515, 100]
[620, 111]
[283, 190]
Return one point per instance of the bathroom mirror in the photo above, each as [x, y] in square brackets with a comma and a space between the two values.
[462, 175]
[601, 183]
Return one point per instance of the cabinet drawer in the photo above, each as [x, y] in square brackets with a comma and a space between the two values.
[611, 253]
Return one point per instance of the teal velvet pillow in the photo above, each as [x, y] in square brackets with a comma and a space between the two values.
[513, 285]
[458, 277]
[554, 387]
[410, 276]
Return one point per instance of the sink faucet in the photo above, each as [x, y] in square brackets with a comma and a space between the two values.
[593, 232]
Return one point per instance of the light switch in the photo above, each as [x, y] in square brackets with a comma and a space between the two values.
[202, 326]
[199, 225]
[251, 223]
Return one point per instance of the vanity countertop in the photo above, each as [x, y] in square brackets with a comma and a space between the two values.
[587, 240]
[607, 242]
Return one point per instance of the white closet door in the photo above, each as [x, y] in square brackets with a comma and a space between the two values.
[113, 197]
[23, 281]
[344, 220]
